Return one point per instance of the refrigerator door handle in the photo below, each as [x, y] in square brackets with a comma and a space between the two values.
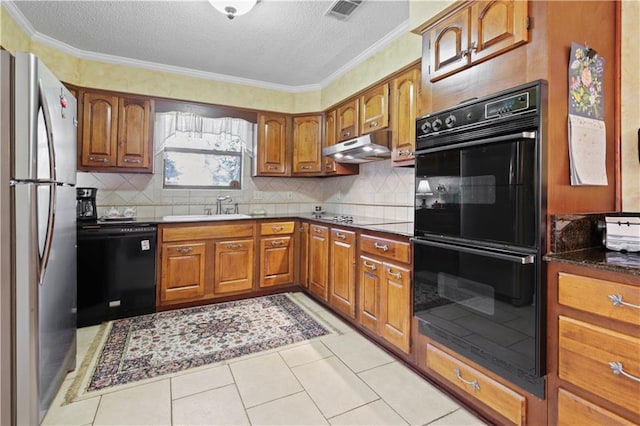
[48, 123]
[46, 251]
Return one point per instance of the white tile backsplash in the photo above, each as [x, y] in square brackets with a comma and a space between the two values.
[379, 190]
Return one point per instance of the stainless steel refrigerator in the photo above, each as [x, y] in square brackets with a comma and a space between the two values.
[38, 237]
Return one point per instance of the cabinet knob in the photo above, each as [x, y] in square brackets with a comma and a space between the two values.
[382, 247]
[232, 246]
[136, 161]
[341, 235]
[396, 275]
[371, 266]
[318, 231]
[98, 159]
[346, 134]
[373, 124]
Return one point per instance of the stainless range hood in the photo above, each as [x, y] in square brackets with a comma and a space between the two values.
[366, 148]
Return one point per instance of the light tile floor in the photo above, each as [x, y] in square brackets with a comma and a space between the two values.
[337, 379]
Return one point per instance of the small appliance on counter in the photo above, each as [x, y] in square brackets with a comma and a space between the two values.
[622, 233]
[86, 203]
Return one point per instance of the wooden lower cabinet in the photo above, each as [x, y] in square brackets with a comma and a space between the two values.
[303, 277]
[183, 271]
[573, 410]
[342, 271]
[233, 266]
[384, 289]
[319, 261]
[276, 261]
[199, 262]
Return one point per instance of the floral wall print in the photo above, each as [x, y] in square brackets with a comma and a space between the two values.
[586, 90]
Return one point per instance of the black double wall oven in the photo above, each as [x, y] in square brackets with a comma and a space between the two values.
[479, 232]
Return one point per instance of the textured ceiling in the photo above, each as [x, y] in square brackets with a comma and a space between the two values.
[287, 43]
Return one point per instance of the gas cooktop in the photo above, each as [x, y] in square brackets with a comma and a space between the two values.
[354, 220]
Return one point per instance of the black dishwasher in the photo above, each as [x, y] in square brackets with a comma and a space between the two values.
[116, 272]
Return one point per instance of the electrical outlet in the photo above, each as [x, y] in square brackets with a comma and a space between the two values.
[289, 195]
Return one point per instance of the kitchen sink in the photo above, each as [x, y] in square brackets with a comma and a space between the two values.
[204, 217]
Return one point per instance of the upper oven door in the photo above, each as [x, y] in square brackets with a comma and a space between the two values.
[483, 190]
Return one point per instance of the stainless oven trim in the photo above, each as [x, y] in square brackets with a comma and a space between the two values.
[503, 138]
[523, 260]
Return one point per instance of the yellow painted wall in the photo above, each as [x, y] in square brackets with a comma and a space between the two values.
[12, 38]
[630, 101]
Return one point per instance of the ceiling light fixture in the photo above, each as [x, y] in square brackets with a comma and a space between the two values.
[233, 8]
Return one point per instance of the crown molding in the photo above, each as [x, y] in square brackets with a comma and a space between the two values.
[34, 35]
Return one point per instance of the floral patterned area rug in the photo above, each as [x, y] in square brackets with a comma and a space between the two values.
[154, 345]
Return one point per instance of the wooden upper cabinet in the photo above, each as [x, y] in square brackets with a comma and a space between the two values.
[478, 31]
[307, 144]
[115, 133]
[347, 121]
[448, 42]
[272, 145]
[330, 134]
[405, 109]
[134, 148]
[497, 26]
[99, 141]
[374, 109]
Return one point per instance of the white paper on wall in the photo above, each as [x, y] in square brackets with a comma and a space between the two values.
[587, 151]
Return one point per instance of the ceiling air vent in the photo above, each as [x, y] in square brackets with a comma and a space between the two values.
[342, 9]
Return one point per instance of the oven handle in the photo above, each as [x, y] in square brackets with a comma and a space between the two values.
[524, 260]
[521, 135]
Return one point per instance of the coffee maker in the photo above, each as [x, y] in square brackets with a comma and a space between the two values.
[86, 204]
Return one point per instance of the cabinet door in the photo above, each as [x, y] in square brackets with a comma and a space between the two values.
[98, 145]
[307, 144]
[342, 272]
[405, 110]
[183, 271]
[347, 121]
[369, 293]
[395, 305]
[318, 260]
[272, 145]
[304, 255]
[374, 109]
[233, 266]
[448, 42]
[573, 410]
[276, 261]
[497, 26]
[330, 134]
[134, 138]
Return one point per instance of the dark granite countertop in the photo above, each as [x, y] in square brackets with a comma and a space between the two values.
[600, 258]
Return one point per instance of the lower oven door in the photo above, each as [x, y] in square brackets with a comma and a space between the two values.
[484, 304]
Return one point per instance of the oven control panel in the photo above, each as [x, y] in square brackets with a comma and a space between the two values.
[501, 106]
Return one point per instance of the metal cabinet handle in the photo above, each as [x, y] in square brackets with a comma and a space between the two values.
[277, 243]
[616, 368]
[397, 275]
[184, 250]
[373, 124]
[277, 228]
[371, 266]
[306, 167]
[234, 246]
[317, 230]
[127, 160]
[341, 235]
[381, 247]
[474, 384]
[98, 159]
[405, 153]
[272, 167]
[346, 134]
[616, 300]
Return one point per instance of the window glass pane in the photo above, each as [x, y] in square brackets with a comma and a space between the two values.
[202, 170]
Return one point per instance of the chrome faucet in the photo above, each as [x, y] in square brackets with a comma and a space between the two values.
[219, 200]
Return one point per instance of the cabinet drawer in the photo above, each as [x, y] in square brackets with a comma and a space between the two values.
[206, 232]
[600, 297]
[320, 231]
[275, 228]
[585, 356]
[495, 395]
[573, 410]
[383, 247]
